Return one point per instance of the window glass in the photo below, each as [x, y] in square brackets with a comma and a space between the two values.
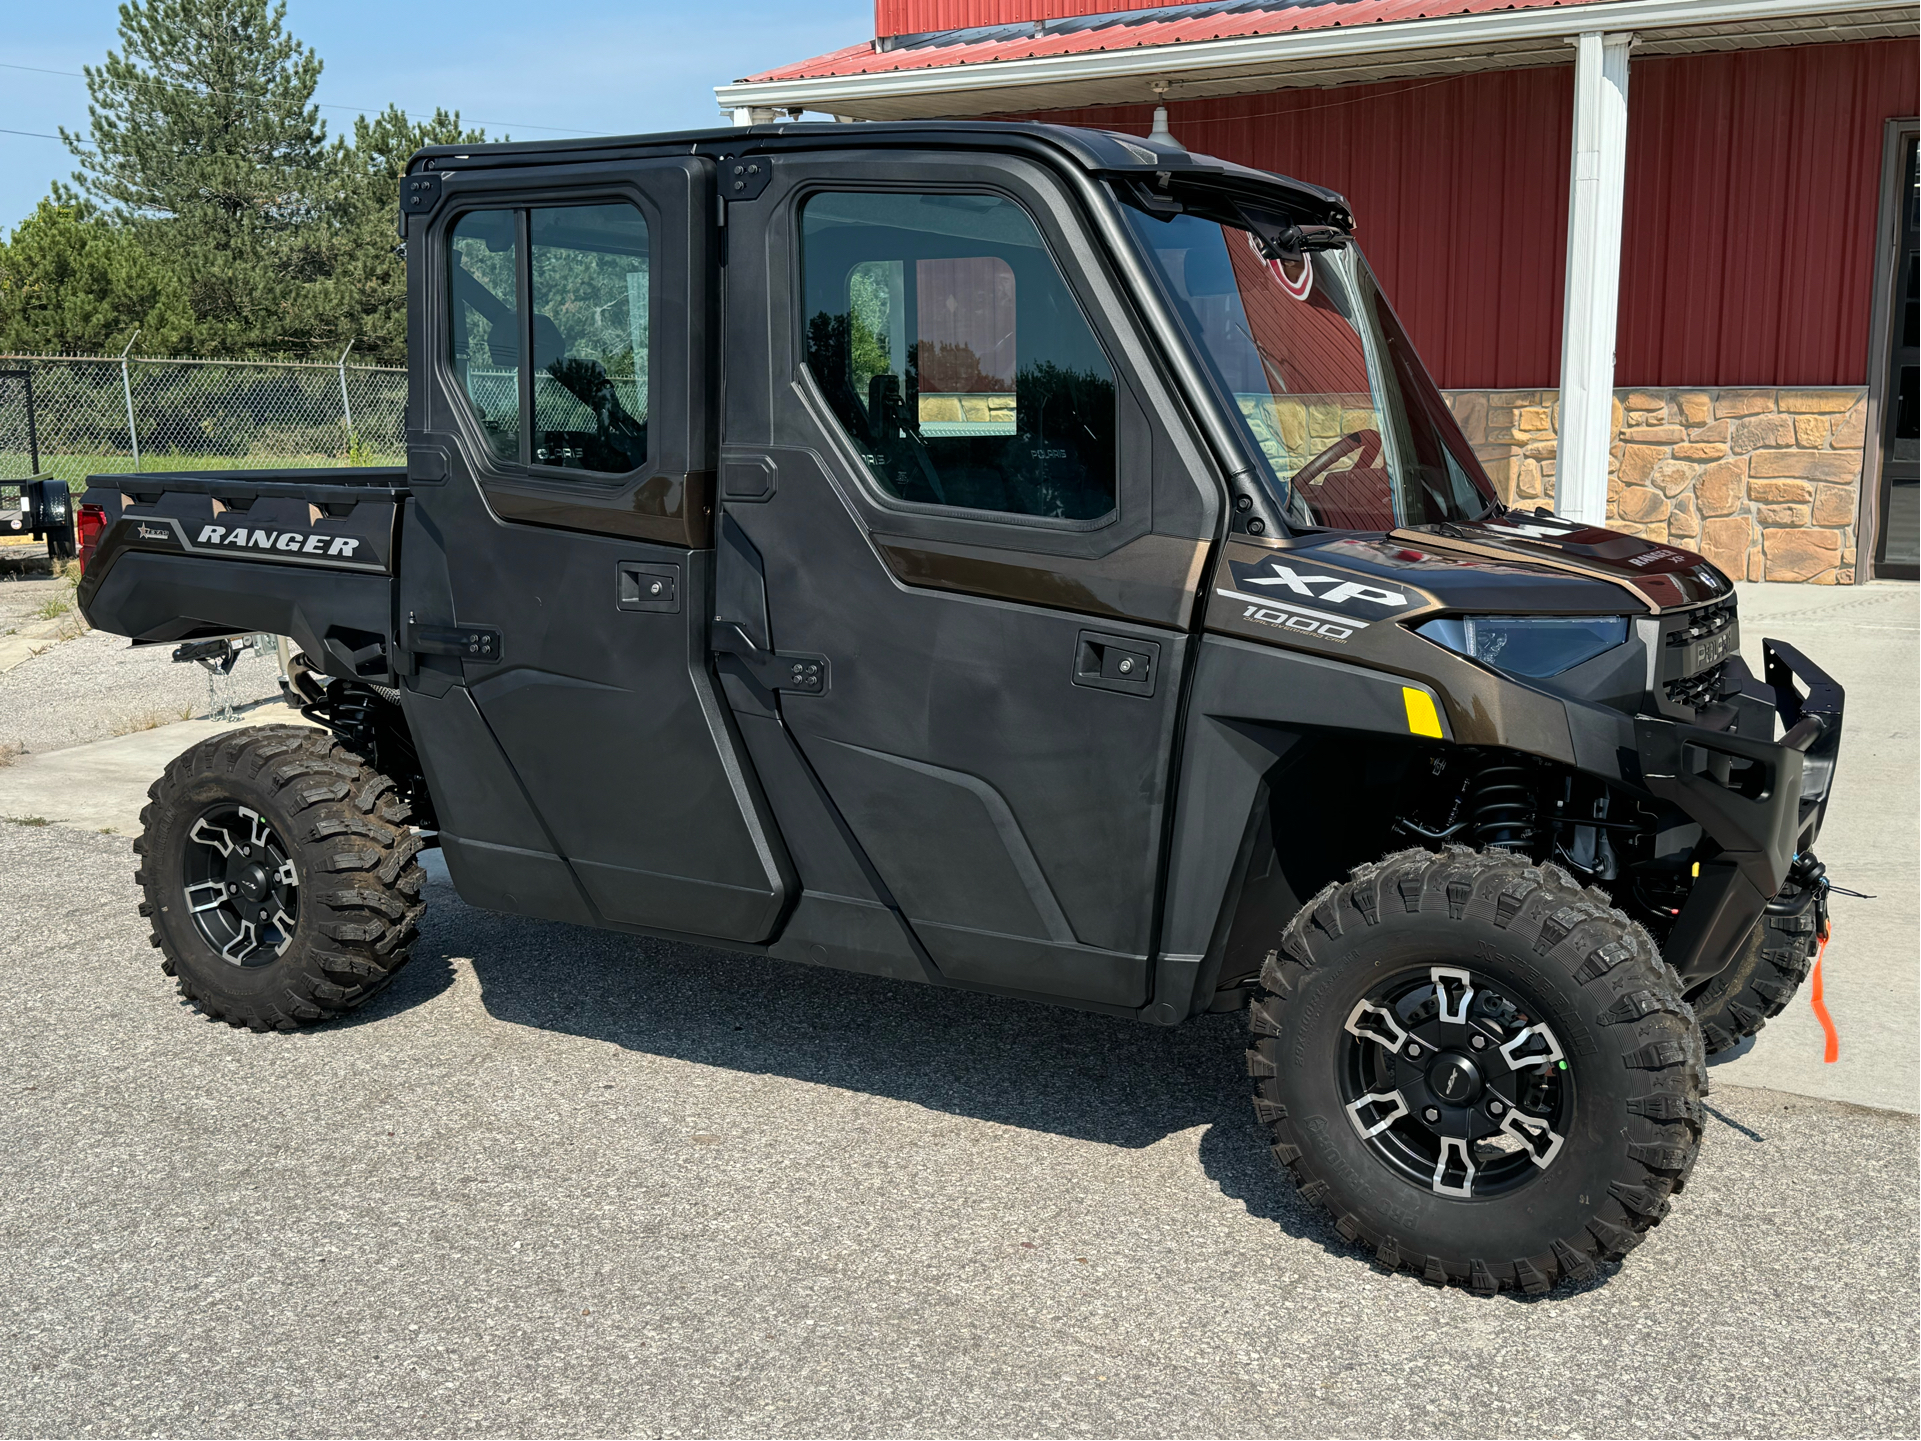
[590, 337]
[1353, 433]
[949, 347]
[485, 323]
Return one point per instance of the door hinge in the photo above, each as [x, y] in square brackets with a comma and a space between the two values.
[465, 642]
[743, 177]
[792, 671]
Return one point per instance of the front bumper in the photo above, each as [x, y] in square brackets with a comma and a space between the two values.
[1761, 800]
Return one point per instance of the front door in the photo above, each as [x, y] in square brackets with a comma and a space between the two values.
[959, 557]
[554, 590]
[1898, 547]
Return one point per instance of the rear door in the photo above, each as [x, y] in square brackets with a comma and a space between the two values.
[959, 553]
[559, 550]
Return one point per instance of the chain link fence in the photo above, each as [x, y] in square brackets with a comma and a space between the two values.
[75, 416]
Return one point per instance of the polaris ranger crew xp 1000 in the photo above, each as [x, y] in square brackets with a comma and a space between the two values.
[1019, 559]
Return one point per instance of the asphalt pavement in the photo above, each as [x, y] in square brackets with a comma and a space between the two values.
[561, 1182]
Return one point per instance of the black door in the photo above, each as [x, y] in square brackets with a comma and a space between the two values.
[960, 551]
[554, 579]
[1898, 547]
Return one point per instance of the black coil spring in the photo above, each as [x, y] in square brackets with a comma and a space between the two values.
[348, 711]
[1502, 810]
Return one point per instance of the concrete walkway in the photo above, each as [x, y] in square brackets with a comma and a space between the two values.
[102, 786]
[1865, 636]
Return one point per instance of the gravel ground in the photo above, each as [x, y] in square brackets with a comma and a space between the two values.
[558, 1182]
[98, 685]
[23, 594]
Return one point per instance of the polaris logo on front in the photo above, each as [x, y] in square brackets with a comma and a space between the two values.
[292, 541]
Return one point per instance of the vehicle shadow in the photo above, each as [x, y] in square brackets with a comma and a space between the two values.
[1043, 1068]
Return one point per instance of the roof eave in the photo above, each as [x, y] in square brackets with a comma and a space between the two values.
[1335, 54]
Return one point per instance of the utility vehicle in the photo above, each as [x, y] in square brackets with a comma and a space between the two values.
[1019, 559]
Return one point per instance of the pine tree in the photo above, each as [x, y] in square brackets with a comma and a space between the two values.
[205, 143]
[71, 280]
[362, 296]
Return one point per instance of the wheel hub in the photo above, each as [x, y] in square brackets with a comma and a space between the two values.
[1454, 1079]
[252, 883]
[240, 885]
[1454, 1083]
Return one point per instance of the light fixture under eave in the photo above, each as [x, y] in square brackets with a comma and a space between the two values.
[1160, 131]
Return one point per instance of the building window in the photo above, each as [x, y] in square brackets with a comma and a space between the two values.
[950, 349]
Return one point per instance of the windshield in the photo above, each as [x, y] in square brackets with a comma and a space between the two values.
[1351, 432]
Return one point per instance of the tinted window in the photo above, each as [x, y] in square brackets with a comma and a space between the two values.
[485, 323]
[584, 279]
[948, 345]
[590, 337]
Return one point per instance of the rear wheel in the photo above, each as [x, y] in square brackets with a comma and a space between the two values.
[278, 874]
[1482, 1070]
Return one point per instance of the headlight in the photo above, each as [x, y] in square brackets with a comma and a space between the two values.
[1530, 645]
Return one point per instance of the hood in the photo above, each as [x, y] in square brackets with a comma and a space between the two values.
[1659, 576]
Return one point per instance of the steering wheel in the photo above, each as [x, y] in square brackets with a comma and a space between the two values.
[1367, 442]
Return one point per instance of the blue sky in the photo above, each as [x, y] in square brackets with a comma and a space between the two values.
[598, 69]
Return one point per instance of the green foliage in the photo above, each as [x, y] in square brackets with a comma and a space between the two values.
[73, 280]
[868, 306]
[203, 141]
[360, 293]
[209, 209]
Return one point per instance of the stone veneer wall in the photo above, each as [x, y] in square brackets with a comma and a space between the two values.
[1764, 483]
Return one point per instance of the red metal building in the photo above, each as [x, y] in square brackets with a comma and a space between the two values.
[1763, 333]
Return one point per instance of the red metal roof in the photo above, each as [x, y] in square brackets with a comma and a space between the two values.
[1113, 29]
[914, 17]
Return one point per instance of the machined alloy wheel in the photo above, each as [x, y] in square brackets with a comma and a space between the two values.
[1455, 1085]
[240, 885]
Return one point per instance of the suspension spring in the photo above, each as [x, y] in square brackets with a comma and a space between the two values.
[1502, 810]
[348, 711]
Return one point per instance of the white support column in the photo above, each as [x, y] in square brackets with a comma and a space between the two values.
[1596, 185]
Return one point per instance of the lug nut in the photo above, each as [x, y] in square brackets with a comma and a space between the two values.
[1413, 1050]
[1431, 1114]
[1478, 1042]
[1494, 1108]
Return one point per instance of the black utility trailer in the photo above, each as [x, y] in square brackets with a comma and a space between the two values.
[39, 506]
[1016, 559]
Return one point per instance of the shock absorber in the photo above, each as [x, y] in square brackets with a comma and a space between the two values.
[347, 710]
[1502, 810]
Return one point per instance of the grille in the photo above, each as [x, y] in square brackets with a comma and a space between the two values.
[1710, 620]
[1698, 692]
[1693, 649]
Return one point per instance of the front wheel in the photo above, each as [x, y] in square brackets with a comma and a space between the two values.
[1763, 977]
[1483, 1071]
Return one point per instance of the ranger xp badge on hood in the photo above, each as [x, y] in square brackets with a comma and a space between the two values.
[1290, 591]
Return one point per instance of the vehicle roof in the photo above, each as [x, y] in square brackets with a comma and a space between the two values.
[1102, 151]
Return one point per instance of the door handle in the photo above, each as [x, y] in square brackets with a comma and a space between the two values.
[639, 585]
[1117, 663]
[797, 672]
